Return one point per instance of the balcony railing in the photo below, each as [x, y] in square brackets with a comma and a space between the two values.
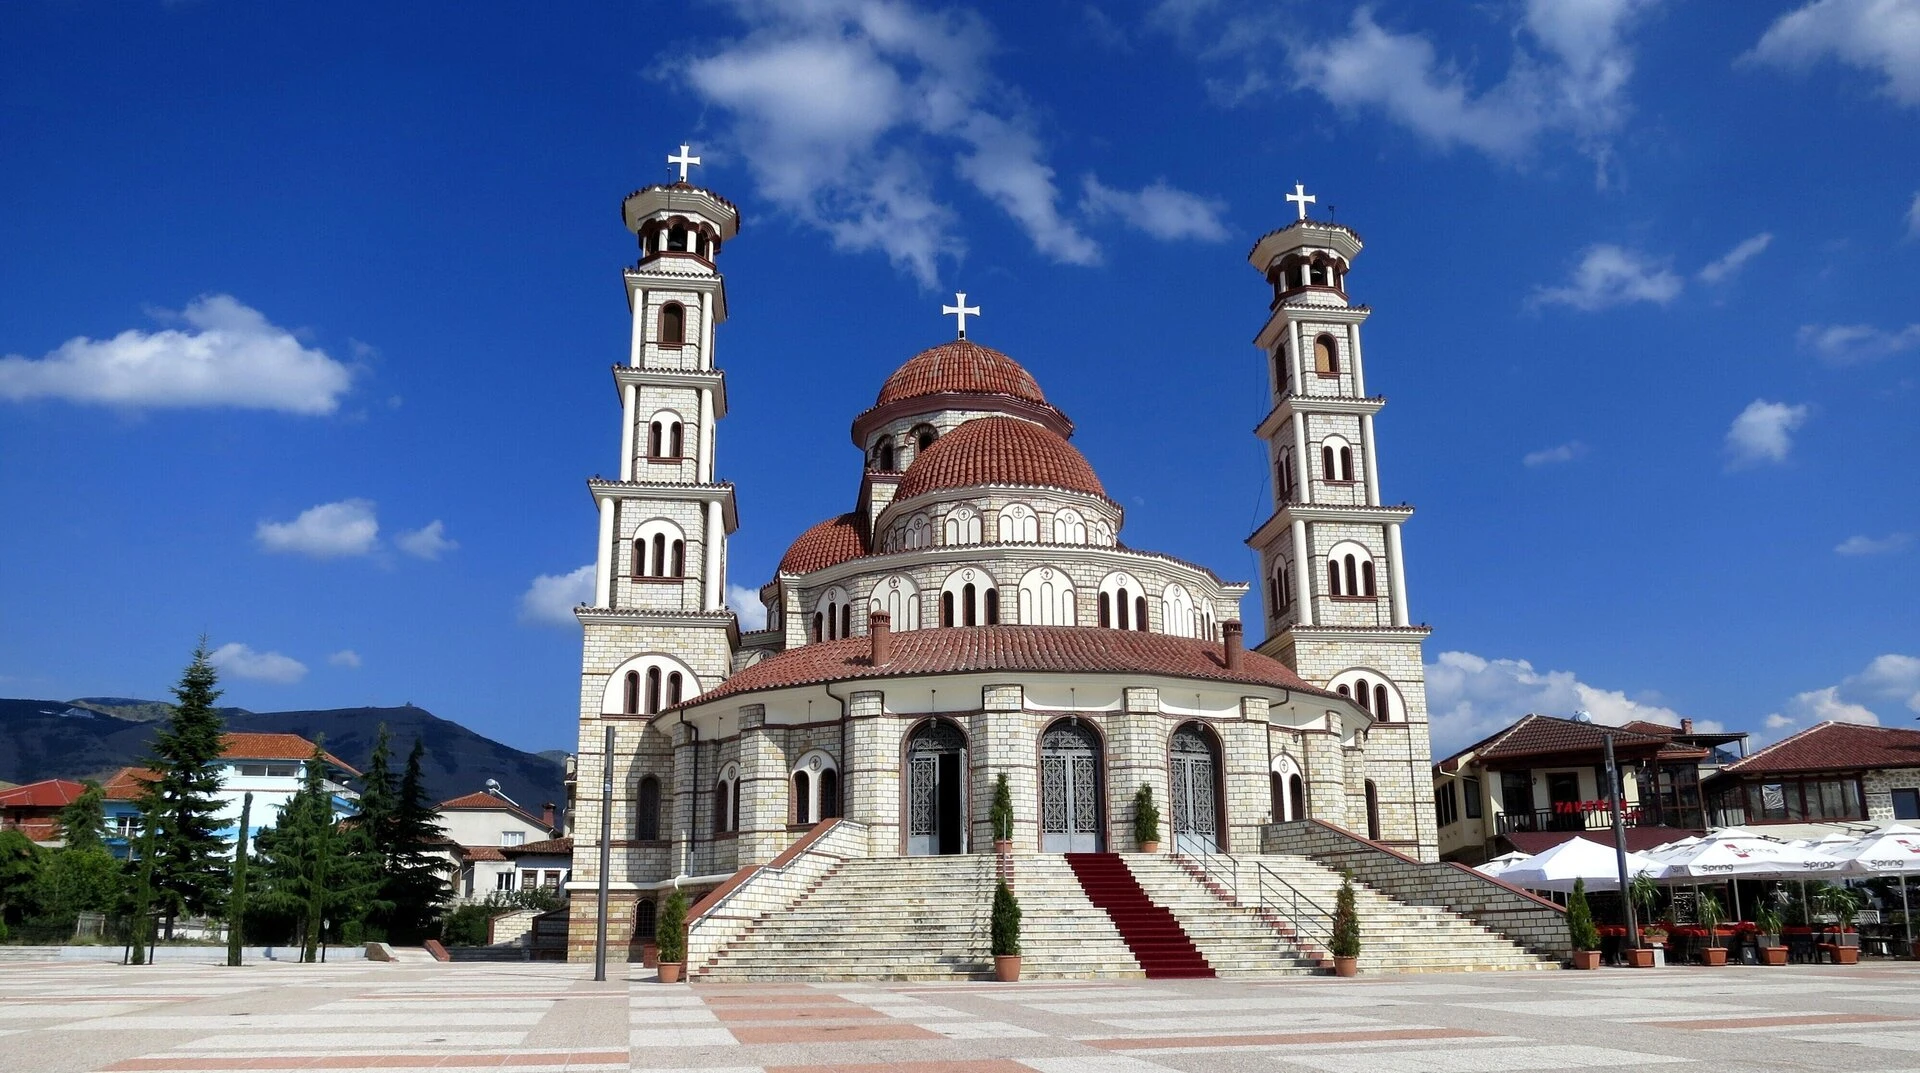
[1594, 816]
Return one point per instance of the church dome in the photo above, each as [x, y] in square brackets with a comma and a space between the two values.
[999, 450]
[960, 367]
[833, 541]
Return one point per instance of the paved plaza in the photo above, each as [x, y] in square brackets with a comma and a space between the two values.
[66, 1017]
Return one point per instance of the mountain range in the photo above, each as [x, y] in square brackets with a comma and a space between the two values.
[92, 737]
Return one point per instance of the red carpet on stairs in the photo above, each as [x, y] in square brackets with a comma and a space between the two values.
[1151, 932]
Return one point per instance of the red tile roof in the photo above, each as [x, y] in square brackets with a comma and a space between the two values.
[1545, 735]
[47, 793]
[999, 450]
[833, 541]
[558, 847]
[487, 800]
[960, 366]
[1045, 649]
[481, 853]
[128, 783]
[253, 746]
[1834, 747]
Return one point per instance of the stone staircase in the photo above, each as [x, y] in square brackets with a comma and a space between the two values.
[1236, 940]
[1163, 948]
[1394, 937]
[1063, 935]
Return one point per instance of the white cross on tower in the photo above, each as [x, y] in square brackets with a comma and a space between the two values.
[1299, 195]
[683, 160]
[960, 311]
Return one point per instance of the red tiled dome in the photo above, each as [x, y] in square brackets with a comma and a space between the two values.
[999, 450]
[833, 541]
[960, 366]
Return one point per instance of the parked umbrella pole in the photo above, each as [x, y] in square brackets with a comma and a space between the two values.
[1620, 841]
[1905, 912]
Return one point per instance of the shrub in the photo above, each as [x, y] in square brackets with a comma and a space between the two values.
[670, 929]
[1346, 921]
[1711, 916]
[1146, 818]
[1767, 919]
[466, 925]
[1580, 927]
[1006, 921]
[1001, 815]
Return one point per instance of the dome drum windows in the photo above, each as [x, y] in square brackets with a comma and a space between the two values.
[1047, 598]
[1123, 603]
[961, 526]
[815, 789]
[1018, 524]
[969, 598]
[1177, 614]
[899, 598]
[833, 616]
[881, 457]
[1350, 573]
[1069, 527]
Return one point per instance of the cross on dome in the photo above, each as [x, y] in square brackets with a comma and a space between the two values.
[960, 311]
[684, 161]
[1299, 196]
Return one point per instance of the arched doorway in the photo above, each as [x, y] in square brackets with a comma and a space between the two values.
[936, 789]
[1194, 786]
[1287, 790]
[1069, 789]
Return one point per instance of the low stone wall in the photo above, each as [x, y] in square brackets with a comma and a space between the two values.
[174, 955]
[1533, 922]
[511, 929]
[755, 891]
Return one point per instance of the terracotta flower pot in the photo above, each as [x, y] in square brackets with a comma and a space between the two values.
[1846, 955]
[1586, 959]
[1773, 955]
[1916, 950]
[670, 971]
[1154, 847]
[1346, 966]
[1640, 957]
[1006, 968]
[1003, 846]
[1714, 955]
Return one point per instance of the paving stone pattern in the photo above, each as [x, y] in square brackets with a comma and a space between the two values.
[68, 1018]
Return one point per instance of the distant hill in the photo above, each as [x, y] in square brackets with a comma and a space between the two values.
[44, 739]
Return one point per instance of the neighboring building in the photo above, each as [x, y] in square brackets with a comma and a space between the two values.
[976, 612]
[1828, 773]
[483, 829]
[272, 767]
[546, 863]
[34, 809]
[1543, 780]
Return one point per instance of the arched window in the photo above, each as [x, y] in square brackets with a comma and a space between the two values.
[1333, 577]
[646, 819]
[817, 635]
[816, 788]
[969, 598]
[1069, 527]
[637, 686]
[1326, 356]
[1106, 610]
[993, 607]
[1101, 533]
[1282, 372]
[1326, 464]
[673, 319]
[1284, 477]
[664, 437]
[946, 609]
[923, 436]
[966, 600]
[1018, 524]
[834, 607]
[919, 532]
[653, 690]
[653, 554]
[1373, 811]
[883, 455]
[1336, 460]
[1140, 613]
[899, 598]
[1350, 570]
[658, 564]
[725, 799]
[1176, 611]
[1297, 796]
[1364, 695]
[1372, 691]
[1046, 598]
[656, 434]
[962, 526]
[644, 915]
[1123, 609]
[1346, 463]
[675, 684]
[677, 559]
[1123, 602]
[1382, 706]
[676, 441]
[1366, 579]
[677, 238]
[630, 704]
[846, 620]
[1353, 576]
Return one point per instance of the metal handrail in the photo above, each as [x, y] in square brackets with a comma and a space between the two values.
[764, 870]
[1271, 893]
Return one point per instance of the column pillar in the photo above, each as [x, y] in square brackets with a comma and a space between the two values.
[706, 330]
[686, 796]
[639, 326]
[870, 786]
[716, 537]
[1299, 360]
[603, 559]
[1303, 574]
[1302, 470]
[704, 470]
[1366, 451]
[763, 789]
[1353, 356]
[1397, 571]
[629, 402]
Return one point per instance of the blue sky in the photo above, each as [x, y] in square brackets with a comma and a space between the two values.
[308, 311]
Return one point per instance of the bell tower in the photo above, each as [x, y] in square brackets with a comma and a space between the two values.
[658, 630]
[1333, 575]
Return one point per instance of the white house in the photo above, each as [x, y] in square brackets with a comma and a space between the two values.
[485, 832]
[272, 767]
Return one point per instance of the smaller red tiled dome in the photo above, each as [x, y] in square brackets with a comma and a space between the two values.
[960, 366]
[833, 541]
[999, 450]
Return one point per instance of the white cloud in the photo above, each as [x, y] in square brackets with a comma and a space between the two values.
[327, 531]
[1851, 344]
[1764, 432]
[228, 355]
[427, 542]
[1550, 456]
[551, 598]
[746, 604]
[1470, 697]
[1913, 217]
[1568, 74]
[1746, 251]
[347, 658]
[835, 102]
[1892, 678]
[1866, 545]
[1877, 36]
[1159, 209]
[239, 661]
[1609, 275]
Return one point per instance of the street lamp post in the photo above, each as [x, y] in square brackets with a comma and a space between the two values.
[1620, 840]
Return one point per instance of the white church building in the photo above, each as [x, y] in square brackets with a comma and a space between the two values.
[978, 612]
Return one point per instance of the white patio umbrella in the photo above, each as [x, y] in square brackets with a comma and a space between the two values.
[1744, 855]
[1576, 859]
[1500, 864]
[1891, 851]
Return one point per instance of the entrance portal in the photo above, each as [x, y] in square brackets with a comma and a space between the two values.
[1069, 790]
[1196, 827]
[937, 789]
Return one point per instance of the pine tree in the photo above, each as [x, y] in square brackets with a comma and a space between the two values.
[417, 884]
[309, 868]
[83, 823]
[374, 823]
[181, 806]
